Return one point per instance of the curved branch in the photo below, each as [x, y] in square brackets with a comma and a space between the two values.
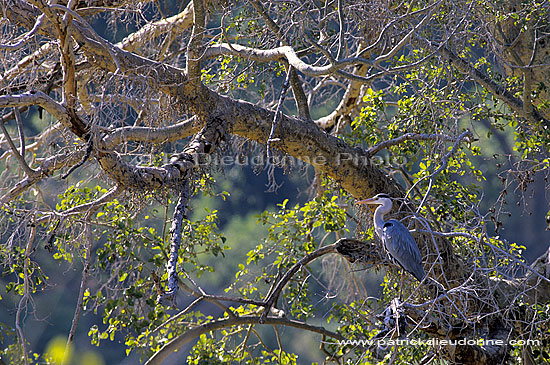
[20, 157]
[75, 124]
[25, 37]
[295, 82]
[45, 137]
[279, 53]
[195, 332]
[175, 24]
[47, 167]
[290, 273]
[151, 134]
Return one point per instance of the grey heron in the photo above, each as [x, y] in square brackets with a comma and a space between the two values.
[395, 237]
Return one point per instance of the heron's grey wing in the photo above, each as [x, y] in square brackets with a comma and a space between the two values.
[402, 247]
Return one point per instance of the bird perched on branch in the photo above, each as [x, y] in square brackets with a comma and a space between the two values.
[395, 237]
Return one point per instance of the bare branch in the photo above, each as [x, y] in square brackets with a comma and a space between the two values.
[20, 158]
[150, 134]
[279, 53]
[284, 89]
[295, 82]
[25, 37]
[76, 125]
[194, 48]
[432, 8]
[46, 168]
[21, 66]
[175, 24]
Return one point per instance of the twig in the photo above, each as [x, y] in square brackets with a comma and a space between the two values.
[278, 337]
[407, 37]
[20, 130]
[28, 170]
[180, 314]
[49, 246]
[284, 89]
[90, 207]
[26, 295]
[201, 294]
[79, 303]
[245, 340]
[485, 242]
[25, 37]
[89, 149]
[445, 161]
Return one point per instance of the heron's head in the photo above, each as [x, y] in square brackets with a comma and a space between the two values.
[378, 199]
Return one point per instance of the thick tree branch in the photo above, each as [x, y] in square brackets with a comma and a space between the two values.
[348, 166]
[174, 24]
[151, 134]
[185, 192]
[194, 48]
[73, 123]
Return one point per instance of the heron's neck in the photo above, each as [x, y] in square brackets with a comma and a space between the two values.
[379, 218]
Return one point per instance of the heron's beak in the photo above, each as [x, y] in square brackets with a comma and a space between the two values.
[368, 202]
